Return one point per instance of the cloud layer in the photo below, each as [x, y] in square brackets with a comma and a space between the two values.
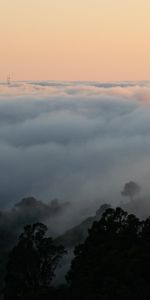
[79, 142]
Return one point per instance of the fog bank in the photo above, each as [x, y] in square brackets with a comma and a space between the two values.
[75, 141]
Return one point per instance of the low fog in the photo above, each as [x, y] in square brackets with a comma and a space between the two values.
[78, 142]
[66, 148]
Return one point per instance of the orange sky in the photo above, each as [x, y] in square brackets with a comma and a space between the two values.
[75, 39]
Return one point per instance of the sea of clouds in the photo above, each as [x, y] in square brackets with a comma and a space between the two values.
[75, 141]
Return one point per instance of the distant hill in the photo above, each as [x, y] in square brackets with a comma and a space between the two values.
[78, 234]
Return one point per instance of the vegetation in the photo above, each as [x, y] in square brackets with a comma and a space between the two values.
[112, 264]
[31, 263]
[114, 261]
[131, 189]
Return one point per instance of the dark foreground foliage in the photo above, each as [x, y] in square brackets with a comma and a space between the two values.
[112, 264]
[114, 261]
[32, 264]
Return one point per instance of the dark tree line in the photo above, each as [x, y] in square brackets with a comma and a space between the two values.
[31, 264]
[112, 264]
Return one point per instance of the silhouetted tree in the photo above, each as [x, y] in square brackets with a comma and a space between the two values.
[131, 189]
[114, 261]
[31, 263]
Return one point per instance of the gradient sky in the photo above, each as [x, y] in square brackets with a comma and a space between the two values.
[75, 39]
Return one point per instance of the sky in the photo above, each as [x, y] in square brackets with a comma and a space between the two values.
[75, 39]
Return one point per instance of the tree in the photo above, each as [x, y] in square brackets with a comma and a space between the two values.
[114, 261]
[31, 263]
[131, 189]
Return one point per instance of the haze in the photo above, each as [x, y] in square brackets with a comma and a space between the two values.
[78, 142]
[75, 40]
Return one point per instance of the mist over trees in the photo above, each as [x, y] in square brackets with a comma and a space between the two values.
[131, 190]
[27, 211]
[73, 136]
[112, 263]
[111, 254]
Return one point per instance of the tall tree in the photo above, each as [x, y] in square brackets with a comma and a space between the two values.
[31, 263]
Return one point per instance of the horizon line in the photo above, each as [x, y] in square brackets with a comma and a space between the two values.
[67, 81]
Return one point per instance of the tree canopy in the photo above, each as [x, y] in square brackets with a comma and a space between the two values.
[31, 263]
[112, 264]
[114, 261]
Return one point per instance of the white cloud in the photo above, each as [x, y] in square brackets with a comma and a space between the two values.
[76, 141]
